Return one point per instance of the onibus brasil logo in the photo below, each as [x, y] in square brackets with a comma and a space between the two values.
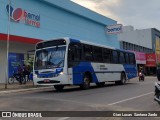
[20, 15]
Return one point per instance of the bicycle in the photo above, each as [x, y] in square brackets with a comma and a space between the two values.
[16, 77]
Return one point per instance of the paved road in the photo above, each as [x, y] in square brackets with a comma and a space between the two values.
[134, 96]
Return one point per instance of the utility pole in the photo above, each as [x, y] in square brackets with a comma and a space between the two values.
[8, 38]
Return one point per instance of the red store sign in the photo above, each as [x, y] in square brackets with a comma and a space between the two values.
[151, 60]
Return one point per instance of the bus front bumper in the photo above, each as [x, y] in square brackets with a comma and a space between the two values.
[59, 80]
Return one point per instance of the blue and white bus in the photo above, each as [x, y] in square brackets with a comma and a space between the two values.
[67, 61]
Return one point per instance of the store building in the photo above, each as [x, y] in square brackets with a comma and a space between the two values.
[143, 43]
[34, 20]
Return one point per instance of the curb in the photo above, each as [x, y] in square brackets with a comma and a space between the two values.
[23, 90]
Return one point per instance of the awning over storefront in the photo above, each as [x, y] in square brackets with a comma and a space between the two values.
[150, 60]
[19, 39]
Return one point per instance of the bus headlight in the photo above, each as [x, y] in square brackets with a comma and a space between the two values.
[35, 75]
[61, 73]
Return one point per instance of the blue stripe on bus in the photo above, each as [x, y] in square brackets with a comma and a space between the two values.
[74, 40]
[130, 71]
[50, 73]
[81, 69]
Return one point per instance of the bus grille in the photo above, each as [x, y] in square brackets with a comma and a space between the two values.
[49, 76]
[51, 81]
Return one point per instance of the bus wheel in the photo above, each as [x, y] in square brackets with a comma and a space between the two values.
[122, 81]
[86, 82]
[59, 87]
[100, 84]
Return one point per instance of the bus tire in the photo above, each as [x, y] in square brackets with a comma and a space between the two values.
[100, 84]
[59, 87]
[122, 81]
[86, 82]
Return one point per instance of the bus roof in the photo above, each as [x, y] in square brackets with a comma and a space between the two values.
[85, 42]
[78, 41]
[90, 43]
[124, 50]
[99, 45]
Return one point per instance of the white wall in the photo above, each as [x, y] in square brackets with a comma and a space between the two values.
[127, 28]
[2, 62]
[138, 37]
[15, 47]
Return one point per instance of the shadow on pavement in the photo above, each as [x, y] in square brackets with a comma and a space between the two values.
[77, 88]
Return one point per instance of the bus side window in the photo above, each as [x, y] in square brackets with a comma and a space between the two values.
[121, 58]
[126, 58]
[106, 55]
[88, 52]
[115, 57]
[74, 53]
[131, 58]
[97, 54]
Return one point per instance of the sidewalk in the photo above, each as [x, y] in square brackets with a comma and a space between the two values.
[16, 87]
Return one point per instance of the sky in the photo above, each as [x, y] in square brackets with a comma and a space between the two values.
[140, 14]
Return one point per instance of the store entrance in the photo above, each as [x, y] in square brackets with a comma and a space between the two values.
[141, 67]
[150, 71]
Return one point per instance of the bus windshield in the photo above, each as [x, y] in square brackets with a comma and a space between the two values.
[50, 58]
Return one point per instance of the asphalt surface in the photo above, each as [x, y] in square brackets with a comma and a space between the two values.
[134, 96]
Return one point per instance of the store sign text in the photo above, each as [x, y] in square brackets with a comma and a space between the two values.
[114, 29]
[151, 60]
[20, 15]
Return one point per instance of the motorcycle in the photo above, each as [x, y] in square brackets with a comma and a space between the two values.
[158, 77]
[158, 74]
[16, 77]
[141, 76]
[157, 92]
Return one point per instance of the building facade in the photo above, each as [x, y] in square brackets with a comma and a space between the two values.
[34, 20]
[136, 40]
[143, 43]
